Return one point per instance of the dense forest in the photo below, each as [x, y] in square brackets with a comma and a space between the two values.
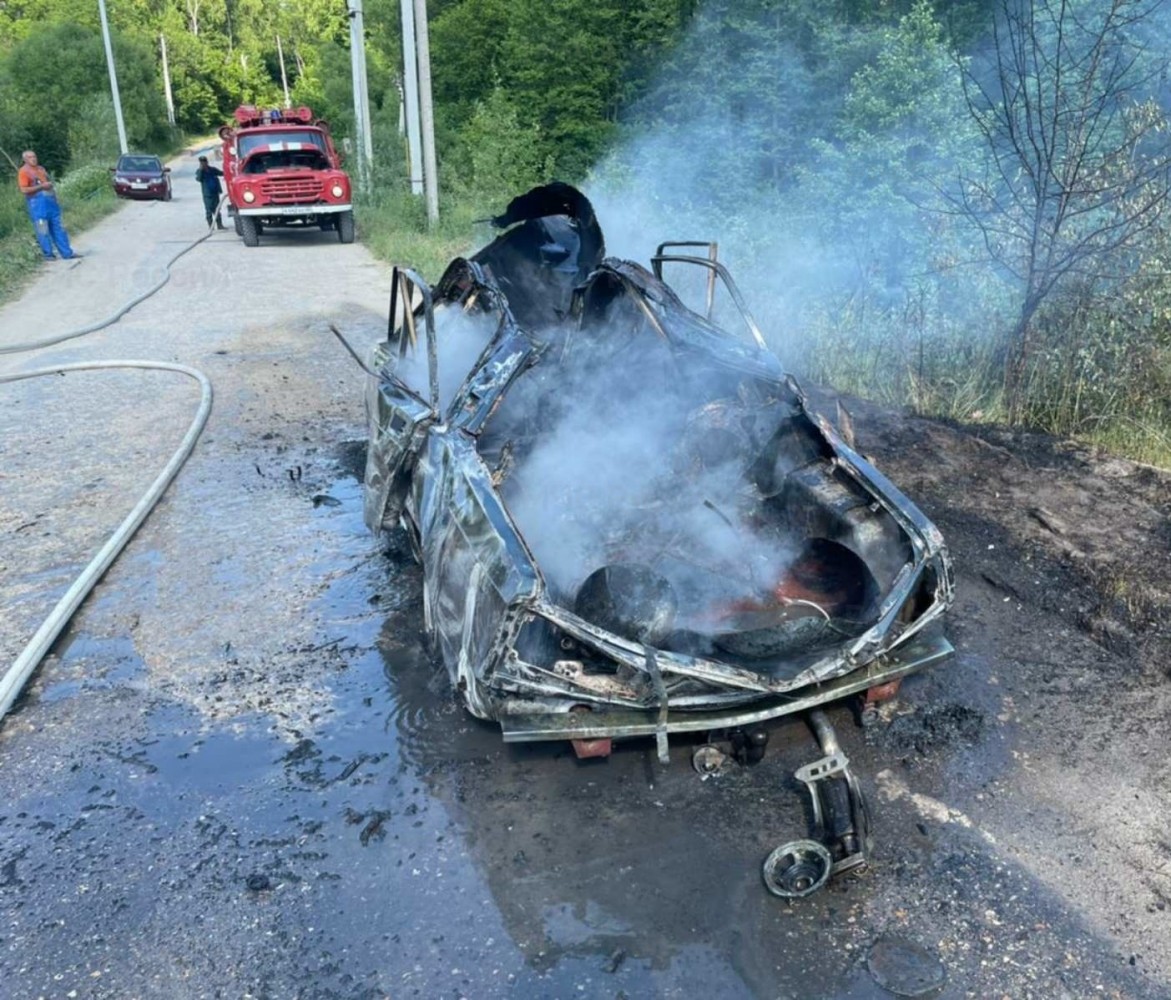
[959, 205]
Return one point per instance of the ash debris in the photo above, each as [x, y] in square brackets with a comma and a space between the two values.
[929, 730]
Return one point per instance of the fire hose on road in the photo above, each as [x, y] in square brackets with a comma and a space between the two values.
[17, 675]
[22, 668]
[122, 310]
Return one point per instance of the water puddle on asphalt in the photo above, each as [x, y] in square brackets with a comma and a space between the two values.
[396, 839]
[210, 762]
[434, 730]
[87, 663]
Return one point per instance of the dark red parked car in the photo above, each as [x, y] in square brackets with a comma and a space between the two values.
[139, 175]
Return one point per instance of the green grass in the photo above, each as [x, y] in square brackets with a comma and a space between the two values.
[1132, 438]
[395, 229]
[946, 371]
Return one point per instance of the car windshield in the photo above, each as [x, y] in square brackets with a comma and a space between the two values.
[273, 159]
[279, 140]
[140, 164]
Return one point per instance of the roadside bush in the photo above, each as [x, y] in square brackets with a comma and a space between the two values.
[13, 214]
[921, 354]
[93, 132]
[89, 182]
[496, 156]
[1101, 371]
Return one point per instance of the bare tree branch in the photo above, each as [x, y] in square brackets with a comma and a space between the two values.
[1078, 170]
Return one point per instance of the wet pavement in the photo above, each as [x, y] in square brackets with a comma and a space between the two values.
[241, 774]
[385, 844]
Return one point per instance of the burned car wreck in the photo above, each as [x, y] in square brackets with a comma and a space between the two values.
[630, 522]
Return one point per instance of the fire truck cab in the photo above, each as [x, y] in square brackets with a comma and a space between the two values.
[281, 169]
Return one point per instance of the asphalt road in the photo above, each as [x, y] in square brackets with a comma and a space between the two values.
[239, 774]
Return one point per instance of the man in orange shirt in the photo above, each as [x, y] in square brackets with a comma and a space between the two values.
[43, 208]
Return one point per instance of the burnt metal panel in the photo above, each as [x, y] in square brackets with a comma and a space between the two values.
[398, 419]
[519, 725]
[475, 565]
[509, 354]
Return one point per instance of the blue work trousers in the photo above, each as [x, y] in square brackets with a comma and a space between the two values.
[211, 202]
[46, 215]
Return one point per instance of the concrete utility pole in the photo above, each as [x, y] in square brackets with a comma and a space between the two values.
[167, 82]
[411, 96]
[113, 77]
[367, 124]
[284, 79]
[430, 171]
[361, 96]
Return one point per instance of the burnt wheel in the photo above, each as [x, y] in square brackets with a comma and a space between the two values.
[249, 230]
[797, 868]
[345, 227]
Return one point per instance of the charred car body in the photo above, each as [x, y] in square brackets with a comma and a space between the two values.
[629, 521]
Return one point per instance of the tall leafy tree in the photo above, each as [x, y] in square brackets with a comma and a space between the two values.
[566, 68]
[42, 91]
[876, 176]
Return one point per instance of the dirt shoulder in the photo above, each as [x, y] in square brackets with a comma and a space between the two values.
[1052, 524]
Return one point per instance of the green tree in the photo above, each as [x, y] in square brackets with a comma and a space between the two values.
[567, 68]
[42, 92]
[876, 176]
[467, 45]
[1076, 166]
[504, 154]
[18, 18]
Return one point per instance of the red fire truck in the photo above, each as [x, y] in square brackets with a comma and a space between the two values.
[281, 169]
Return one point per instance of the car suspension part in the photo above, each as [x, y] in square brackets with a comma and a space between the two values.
[840, 838]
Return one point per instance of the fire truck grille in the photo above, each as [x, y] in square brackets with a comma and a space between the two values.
[291, 190]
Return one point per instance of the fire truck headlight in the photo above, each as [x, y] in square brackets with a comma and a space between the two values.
[249, 197]
[337, 191]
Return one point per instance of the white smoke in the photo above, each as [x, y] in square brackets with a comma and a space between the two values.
[809, 219]
[628, 464]
[460, 339]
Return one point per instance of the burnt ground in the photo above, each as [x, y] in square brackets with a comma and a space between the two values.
[239, 773]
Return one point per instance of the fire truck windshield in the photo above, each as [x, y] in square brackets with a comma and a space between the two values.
[278, 139]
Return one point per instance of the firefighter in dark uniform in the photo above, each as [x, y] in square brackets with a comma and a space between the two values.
[209, 182]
